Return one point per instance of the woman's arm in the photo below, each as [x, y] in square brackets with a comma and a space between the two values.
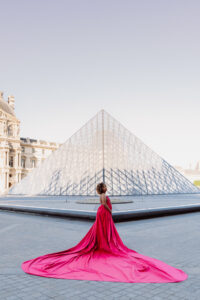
[105, 204]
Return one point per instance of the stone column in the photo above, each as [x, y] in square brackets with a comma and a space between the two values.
[15, 157]
[6, 180]
[5, 158]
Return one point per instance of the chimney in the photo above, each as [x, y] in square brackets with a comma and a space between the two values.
[11, 101]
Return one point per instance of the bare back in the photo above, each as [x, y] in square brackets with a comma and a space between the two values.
[102, 198]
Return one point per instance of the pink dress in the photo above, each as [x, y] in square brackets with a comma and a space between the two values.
[102, 256]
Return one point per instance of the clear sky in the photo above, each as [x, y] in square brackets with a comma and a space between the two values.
[139, 60]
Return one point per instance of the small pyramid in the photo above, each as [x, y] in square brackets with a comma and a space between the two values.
[103, 150]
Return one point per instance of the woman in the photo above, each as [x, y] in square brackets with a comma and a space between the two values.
[102, 256]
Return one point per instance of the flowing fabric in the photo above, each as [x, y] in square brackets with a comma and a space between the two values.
[102, 256]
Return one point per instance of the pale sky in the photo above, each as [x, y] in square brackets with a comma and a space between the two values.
[139, 60]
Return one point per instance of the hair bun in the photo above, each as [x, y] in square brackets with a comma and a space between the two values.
[99, 187]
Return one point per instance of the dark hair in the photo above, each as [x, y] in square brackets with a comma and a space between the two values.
[100, 187]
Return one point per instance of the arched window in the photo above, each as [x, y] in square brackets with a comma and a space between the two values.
[33, 163]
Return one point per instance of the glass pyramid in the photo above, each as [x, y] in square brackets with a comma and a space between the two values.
[103, 150]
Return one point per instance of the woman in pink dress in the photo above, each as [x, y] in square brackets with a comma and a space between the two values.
[102, 256]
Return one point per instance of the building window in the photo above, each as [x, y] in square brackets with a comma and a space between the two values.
[33, 163]
[11, 161]
[23, 149]
[23, 163]
[43, 151]
[33, 150]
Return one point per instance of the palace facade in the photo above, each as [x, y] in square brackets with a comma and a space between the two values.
[18, 155]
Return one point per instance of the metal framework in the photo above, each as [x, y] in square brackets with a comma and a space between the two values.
[103, 150]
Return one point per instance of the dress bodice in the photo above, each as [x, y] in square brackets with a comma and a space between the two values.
[109, 202]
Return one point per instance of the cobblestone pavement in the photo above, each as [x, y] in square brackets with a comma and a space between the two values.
[173, 239]
[140, 202]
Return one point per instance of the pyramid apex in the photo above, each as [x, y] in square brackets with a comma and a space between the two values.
[101, 112]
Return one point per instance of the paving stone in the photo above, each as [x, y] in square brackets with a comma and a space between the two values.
[173, 239]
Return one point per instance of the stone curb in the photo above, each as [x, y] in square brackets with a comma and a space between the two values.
[118, 216]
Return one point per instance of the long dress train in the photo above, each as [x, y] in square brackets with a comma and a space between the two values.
[102, 256]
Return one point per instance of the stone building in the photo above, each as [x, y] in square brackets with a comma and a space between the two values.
[18, 155]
